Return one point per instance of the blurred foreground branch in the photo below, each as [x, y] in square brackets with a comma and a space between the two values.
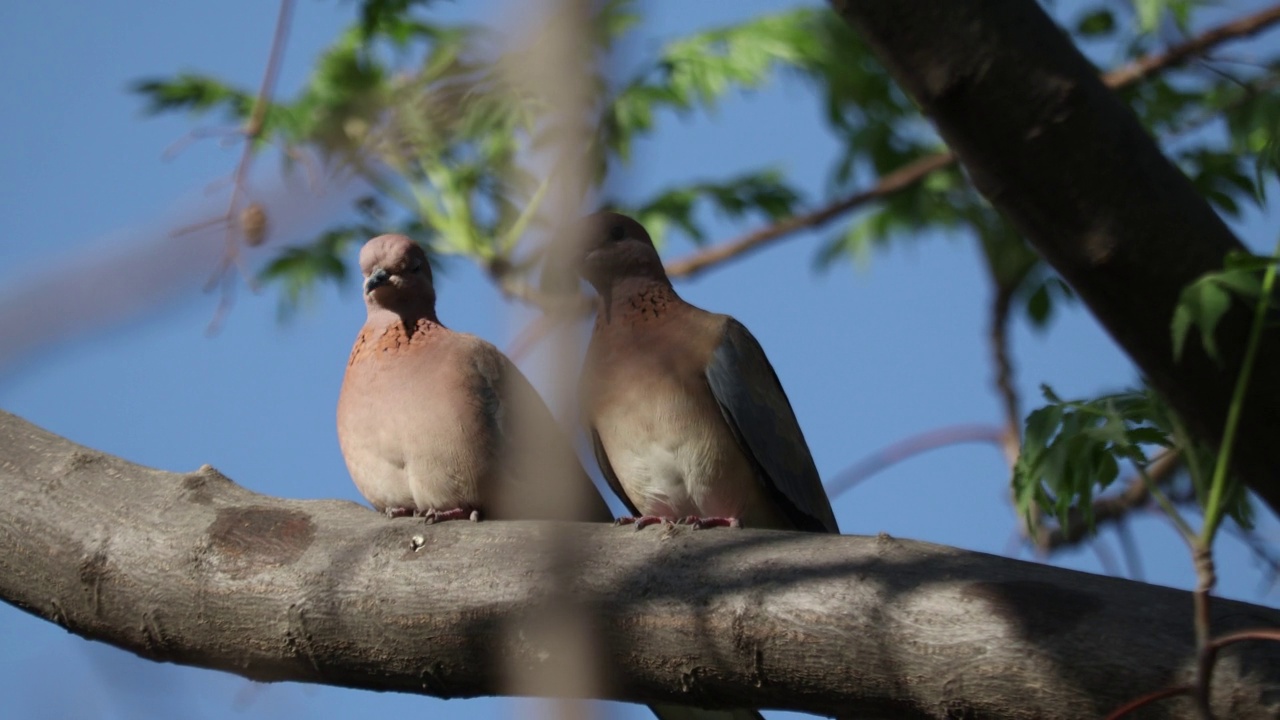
[193, 569]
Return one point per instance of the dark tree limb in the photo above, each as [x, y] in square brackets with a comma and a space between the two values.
[1069, 164]
[193, 569]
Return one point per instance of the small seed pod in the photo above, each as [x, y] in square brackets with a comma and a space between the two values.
[253, 223]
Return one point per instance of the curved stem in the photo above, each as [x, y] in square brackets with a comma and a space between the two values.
[1184, 529]
[1213, 508]
[915, 445]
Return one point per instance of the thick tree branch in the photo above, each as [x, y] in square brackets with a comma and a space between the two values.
[1013, 97]
[193, 569]
[917, 170]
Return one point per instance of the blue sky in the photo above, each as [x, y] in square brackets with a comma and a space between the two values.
[869, 356]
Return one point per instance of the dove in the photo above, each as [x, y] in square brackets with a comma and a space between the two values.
[688, 419]
[440, 424]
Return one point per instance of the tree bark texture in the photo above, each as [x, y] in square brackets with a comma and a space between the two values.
[1074, 170]
[193, 569]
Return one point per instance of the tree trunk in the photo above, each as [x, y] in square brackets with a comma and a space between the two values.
[193, 569]
[1070, 165]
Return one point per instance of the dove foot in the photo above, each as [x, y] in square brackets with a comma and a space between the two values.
[432, 515]
[643, 521]
[397, 512]
[701, 523]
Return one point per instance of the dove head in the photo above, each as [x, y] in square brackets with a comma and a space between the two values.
[618, 249]
[397, 277]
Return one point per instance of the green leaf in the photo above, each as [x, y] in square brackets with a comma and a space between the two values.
[298, 270]
[197, 93]
[1242, 282]
[385, 16]
[1179, 327]
[1201, 305]
[1267, 161]
[1039, 305]
[1041, 425]
[1250, 263]
[1148, 12]
[1072, 450]
[1097, 22]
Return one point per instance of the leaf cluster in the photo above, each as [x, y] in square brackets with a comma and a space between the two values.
[1074, 450]
[427, 114]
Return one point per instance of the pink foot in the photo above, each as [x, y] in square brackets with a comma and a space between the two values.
[698, 523]
[432, 515]
[701, 523]
[396, 512]
[643, 521]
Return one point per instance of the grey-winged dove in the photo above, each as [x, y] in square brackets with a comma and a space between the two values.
[687, 417]
[441, 424]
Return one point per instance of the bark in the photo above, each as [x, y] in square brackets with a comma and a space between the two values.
[193, 569]
[1071, 166]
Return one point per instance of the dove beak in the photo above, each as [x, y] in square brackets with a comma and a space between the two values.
[376, 279]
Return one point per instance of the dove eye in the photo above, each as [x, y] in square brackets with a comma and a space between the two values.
[617, 233]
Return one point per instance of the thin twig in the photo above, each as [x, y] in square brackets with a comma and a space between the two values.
[1169, 507]
[1267, 634]
[1105, 557]
[1187, 127]
[243, 225]
[900, 179]
[1148, 699]
[1132, 558]
[1207, 657]
[912, 446]
[916, 170]
[1199, 45]
[1001, 306]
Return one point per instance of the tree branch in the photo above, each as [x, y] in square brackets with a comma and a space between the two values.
[1006, 388]
[900, 179]
[1147, 66]
[909, 448]
[916, 170]
[1012, 96]
[193, 569]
